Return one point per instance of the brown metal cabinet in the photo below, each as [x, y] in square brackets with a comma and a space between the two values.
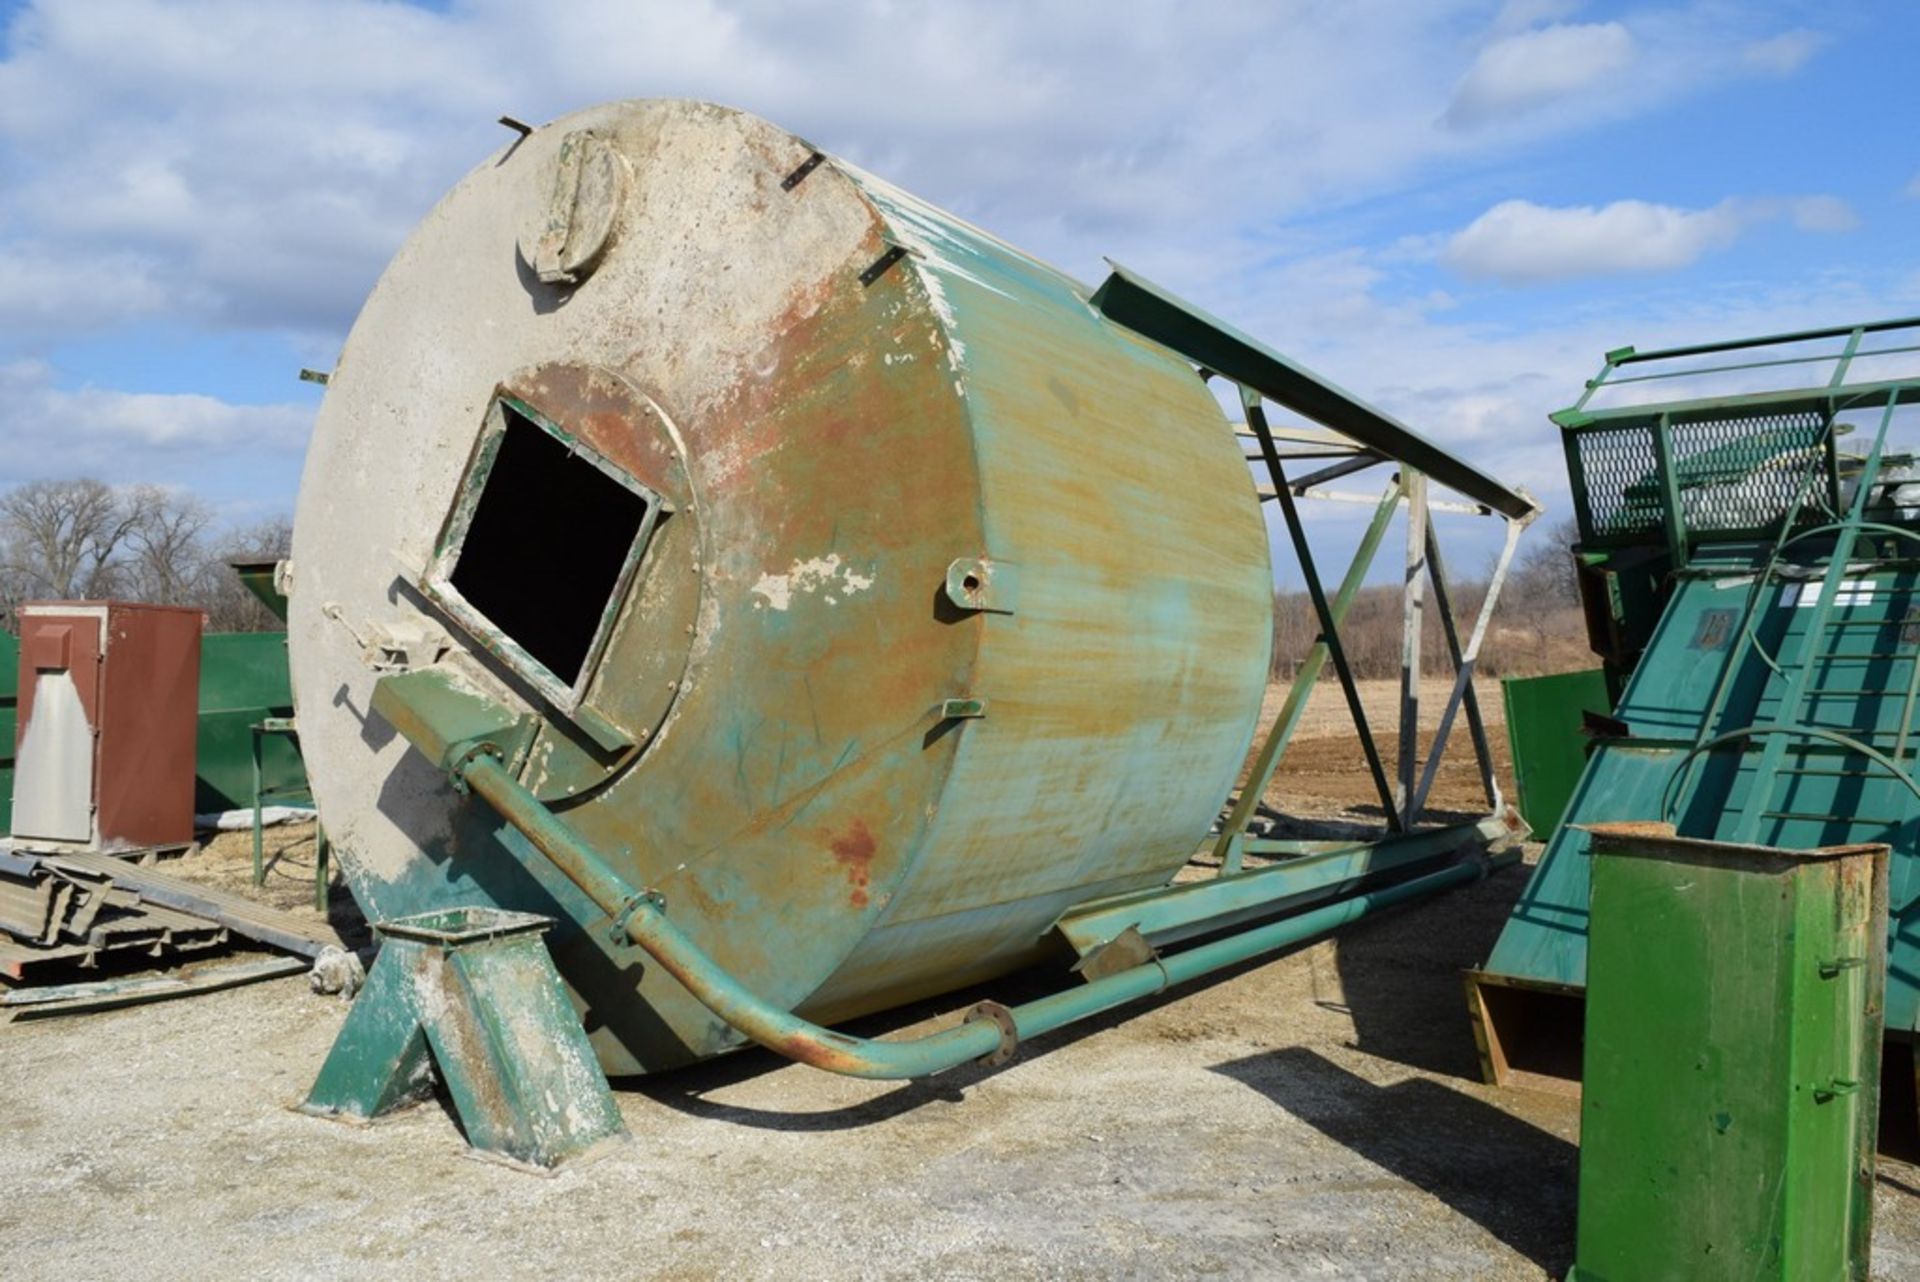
[107, 719]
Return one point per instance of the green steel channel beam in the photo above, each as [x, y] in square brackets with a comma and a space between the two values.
[1839, 378]
[1171, 914]
[1673, 516]
[1329, 626]
[1833, 400]
[1747, 824]
[1746, 638]
[1145, 308]
[1844, 356]
[1229, 847]
[1630, 357]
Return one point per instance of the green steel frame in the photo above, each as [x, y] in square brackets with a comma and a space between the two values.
[1768, 589]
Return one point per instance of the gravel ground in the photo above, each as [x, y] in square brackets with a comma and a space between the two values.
[1318, 1115]
[1313, 1116]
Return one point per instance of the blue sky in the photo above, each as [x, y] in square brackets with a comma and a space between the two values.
[1450, 207]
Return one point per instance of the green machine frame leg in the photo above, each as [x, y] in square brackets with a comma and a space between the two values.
[1734, 1012]
[472, 993]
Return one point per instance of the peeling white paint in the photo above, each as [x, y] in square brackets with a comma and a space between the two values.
[815, 576]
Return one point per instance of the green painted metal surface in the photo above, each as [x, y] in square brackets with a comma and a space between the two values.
[9, 703]
[473, 738]
[843, 430]
[471, 995]
[1545, 718]
[243, 681]
[1773, 699]
[1733, 1042]
[259, 579]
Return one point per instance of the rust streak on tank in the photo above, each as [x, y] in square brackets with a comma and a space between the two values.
[853, 851]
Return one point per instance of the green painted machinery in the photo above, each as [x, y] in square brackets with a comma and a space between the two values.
[805, 600]
[1547, 720]
[1733, 1037]
[1750, 568]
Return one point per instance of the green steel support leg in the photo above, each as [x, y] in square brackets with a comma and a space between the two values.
[1230, 848]
[472, 993]
[1329, 628]
[259, 856]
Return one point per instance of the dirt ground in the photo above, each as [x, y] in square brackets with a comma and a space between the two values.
[1318, 1115]
[1324, 773]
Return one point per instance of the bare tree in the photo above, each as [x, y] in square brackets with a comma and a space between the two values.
[77, 539]
[63, 539]
[167, 554]
[230, 606]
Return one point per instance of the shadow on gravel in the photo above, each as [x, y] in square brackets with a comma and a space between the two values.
[1401, 974]
[1513, 1179]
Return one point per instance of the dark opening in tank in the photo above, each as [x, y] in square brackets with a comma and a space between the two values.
[546, 547]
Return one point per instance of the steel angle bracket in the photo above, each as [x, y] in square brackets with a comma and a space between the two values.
[449, 723]
[471, 995]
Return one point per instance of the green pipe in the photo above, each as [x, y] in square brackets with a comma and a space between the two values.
[991, 1031]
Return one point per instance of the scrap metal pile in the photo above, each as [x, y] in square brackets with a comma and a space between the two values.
[97, 916]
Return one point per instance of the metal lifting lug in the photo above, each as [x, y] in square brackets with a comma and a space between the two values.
[1834, 1089]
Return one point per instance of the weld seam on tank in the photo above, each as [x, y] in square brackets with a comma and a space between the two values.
[787, 1034]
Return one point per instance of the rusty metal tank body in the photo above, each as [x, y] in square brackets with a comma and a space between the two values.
[944, 604]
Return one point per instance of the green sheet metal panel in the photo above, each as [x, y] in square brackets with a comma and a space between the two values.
[1733, 1040]
[243, 678]
[9, 699]
[1545, 716]
[1626, 779]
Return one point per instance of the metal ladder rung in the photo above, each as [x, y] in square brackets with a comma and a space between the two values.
[1826, 818]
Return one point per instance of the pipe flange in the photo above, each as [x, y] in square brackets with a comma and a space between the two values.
[468, 754]
[1009, 1032]
[617, 927]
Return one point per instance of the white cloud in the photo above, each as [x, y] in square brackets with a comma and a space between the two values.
[1519, 15]
[1519, 242]
[1784, 54]
[1822, 213]
[258, 163]
[124, 436]
[1912, 190]
[1522, 73]
[235, 165]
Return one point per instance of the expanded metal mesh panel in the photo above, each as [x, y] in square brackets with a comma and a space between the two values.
[1734, 476]
[1621, 500]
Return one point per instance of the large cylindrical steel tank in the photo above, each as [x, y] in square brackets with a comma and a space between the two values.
[868, 595]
